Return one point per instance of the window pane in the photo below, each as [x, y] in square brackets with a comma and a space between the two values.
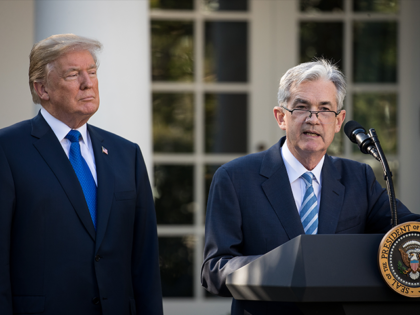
[226, 117]
[172, 50]
[172, 4]
[378, 111]
[173, 122]
[176, 256]
[226, 5]
[321, 5]
[321, 39]
[375, 52]
[174, 194]
[226, 52]
[380, 6]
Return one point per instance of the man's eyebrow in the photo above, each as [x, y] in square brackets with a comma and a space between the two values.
[92, 66]
[300, 101]
[326, 103]
[306, 102]
[71, 70]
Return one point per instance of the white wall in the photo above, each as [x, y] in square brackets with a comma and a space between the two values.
[16, 40]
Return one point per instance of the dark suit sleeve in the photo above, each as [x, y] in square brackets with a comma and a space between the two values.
[145, 263]
[379, 216]
[223, 237]
[7, 202]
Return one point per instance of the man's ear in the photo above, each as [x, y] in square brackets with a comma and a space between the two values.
[41, 91]
[279, 115]
[339, 120]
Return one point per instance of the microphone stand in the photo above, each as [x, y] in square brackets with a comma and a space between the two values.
[387, 177]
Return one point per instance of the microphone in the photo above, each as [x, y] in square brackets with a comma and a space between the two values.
[357, 134]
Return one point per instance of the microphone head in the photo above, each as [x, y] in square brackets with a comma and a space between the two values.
[351, 126]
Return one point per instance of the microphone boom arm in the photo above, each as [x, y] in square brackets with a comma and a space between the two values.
[387, 177]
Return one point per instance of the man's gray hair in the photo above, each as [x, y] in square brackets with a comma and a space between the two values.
[44, 53]
[312, 71]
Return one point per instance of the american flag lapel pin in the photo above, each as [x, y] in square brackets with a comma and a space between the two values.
[104, 150]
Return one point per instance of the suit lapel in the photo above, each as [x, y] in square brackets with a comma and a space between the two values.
[52, 152]
[332, 198]
[105, 184]
[278, 191]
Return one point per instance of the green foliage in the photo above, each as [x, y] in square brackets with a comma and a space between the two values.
[378, 111]
[172, 4]
[322, 5]
[173, 122]
[378, 6]
[401, 267]
[172, 51]
[174, 191]
[375, 52]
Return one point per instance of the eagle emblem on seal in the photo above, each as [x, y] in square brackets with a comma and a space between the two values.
[410, 252]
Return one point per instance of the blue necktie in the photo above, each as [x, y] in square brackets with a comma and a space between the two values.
[309, 208]
[83, 173]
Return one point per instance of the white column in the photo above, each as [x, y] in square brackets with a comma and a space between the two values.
[123, 29]
[409, 105]
[286, 51]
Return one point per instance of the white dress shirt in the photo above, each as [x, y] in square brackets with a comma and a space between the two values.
[61, 130]
[295, 170]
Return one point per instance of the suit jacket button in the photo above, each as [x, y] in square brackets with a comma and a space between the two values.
[95, 300]
[97, 258]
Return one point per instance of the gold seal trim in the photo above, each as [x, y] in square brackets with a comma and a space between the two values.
[398, 258]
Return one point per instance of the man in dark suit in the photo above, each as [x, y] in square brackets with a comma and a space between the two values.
[260, 201]
[77, 220]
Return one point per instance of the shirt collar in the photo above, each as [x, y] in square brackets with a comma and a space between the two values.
[61, 129]
[295, 169]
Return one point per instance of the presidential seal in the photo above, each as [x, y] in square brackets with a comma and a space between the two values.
[399, 254]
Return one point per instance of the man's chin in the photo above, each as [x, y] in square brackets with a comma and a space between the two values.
[313, 143]
[89, 109]
[313, 148]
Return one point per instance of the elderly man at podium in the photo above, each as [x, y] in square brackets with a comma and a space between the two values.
[260, 201]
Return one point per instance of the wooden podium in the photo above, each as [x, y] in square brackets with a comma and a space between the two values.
[323, 274]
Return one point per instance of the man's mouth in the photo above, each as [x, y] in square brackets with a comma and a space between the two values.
[311, 133]
[87, 98]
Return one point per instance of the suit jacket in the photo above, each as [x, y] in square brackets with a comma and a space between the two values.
[52, 261]
[251, 210]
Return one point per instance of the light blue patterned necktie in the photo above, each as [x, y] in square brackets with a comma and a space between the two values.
[83, 173]
[309, 208]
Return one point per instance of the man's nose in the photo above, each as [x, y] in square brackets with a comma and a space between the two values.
[312, 117]
[85, 81]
